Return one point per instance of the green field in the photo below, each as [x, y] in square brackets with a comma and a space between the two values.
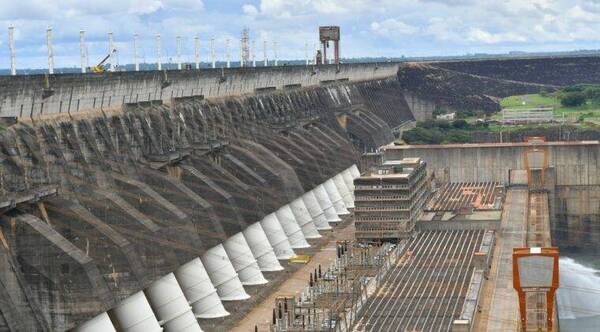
[530, 101]
[587, 111]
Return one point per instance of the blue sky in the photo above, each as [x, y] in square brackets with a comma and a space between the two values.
[369, 28]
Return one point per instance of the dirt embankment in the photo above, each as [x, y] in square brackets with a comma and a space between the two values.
[561, 71]
[459, 90]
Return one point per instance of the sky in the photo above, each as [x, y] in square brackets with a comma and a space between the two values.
[370, 28]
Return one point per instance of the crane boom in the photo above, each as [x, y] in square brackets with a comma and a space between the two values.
[103, 60]
[99, 67]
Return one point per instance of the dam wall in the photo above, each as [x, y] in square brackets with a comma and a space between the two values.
[574, 171]
[97, 206]
[576, 163]
[34, 95]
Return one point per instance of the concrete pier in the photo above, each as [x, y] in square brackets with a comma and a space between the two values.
[500, 303]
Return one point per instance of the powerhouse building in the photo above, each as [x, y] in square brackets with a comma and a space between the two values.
[388, 201]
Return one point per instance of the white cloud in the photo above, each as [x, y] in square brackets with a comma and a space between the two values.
[293, 8]
[44, 9]
[250, 10]
[392, 27]
[446, 29]
[582, 15]
[480, 35]
[369, 27]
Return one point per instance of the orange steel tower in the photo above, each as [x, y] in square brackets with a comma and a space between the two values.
[535, 278]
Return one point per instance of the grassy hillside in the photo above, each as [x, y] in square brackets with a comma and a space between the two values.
[590, 110]
[529, 101]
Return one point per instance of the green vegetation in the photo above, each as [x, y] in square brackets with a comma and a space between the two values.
[441, 132]
[579, 95]
[574, 99]
[578, 102]
[530, 101]
[438, 111]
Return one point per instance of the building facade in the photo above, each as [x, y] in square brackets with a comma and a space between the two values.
[389, 201]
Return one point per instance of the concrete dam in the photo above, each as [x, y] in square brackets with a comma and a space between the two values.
[122, 183]
[172, 200]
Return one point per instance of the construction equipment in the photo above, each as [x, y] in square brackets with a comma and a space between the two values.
[99, 68]
[302, 259]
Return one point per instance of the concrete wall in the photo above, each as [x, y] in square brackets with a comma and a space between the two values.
[578, 201]
[32, 95]
[421, 108]
[576, 163]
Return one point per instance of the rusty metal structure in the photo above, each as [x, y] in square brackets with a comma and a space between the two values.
[326, 35]
[467, 195]
[535, 267]
[535, 277]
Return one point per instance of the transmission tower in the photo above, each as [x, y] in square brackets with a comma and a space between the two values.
[245, 47]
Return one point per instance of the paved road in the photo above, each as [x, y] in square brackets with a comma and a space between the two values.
[503, 314]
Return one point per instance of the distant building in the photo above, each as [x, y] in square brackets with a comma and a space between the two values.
[528, 115]
[449, 116]
[389, 201]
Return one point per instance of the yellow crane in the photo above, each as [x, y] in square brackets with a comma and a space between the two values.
[99, 68]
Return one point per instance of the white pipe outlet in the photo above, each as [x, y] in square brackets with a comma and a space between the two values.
[171, 306]
[277, 237]
[336, 197]
[199, 290]
[291, 228]
[134, 314]
[184, 323]
[261, 248]
[326, 204]
[344, 191]
[354, 171]
[304, 219]
[315, 210]
[100, 323]
[223, 275]
[349, 179]
[243, 261]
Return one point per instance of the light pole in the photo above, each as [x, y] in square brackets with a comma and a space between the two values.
[158, 50]
[50, 50]
[82, 54]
